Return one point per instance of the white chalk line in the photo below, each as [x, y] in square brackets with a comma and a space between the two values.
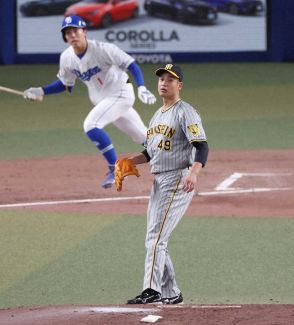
[225, 184]
[222, 189]
[217, 306]
[183, 305]
[113, 309]
[247, 190]
[134, 198]
[106, 199]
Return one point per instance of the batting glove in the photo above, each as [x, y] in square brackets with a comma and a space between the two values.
[33, 93]
[146, 96]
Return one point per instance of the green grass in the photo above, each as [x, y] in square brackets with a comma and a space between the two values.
[51, 258]
[247, 106]
[99, 259]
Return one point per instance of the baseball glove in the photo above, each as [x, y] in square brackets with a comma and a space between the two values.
[124, 167]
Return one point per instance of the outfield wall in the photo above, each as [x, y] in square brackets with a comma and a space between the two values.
[280, 45]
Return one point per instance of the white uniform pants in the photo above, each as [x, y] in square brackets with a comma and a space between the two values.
[118, 109]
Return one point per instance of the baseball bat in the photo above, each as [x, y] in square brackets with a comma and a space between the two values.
[17, 92]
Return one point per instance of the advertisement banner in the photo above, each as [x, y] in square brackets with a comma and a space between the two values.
[149, 27]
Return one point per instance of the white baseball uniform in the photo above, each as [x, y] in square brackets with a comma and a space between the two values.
[103, 70]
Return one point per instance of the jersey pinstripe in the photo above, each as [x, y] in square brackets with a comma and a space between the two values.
[167, 205]
[169, 145]
[170, 135]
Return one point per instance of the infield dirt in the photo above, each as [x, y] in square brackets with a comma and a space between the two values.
[264, 189]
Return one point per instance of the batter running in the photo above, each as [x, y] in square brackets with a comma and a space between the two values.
[177, 149]
[102, 67]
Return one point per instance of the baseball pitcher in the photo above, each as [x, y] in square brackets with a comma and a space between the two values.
[177, 149]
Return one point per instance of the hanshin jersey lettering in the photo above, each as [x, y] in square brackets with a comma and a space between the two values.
[170, 135]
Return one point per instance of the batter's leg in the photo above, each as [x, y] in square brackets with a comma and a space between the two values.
[132, 124]
[104, 113]
[104, 144]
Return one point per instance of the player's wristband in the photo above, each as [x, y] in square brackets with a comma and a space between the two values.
[145, 153]
[201, 151]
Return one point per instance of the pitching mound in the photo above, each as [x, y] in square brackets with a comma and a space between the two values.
[168, 315]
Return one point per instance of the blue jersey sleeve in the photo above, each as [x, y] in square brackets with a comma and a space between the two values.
[55, 88]
[136, 73]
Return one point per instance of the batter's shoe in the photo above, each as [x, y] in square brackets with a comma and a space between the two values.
[109, 180]
[174, 300]
[148, 296]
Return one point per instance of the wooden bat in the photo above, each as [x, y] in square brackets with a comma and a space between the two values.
[17, 92]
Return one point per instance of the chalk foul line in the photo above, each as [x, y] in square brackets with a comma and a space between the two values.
[224, 188]
[227, 182]
[77, 201]
[134, 198]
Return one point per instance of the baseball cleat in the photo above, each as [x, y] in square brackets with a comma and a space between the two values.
[174, 300]
[148, 296]
[109, 180]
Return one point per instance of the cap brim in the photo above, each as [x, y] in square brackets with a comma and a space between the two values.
[72, 26]
[160, 71]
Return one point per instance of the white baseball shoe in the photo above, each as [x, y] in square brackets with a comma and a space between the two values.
[109, 180]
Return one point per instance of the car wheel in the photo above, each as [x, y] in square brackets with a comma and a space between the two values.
[181, 17]
[40, 11]
[106, 21]
[135, 13]
[150, 11]
[233, 9]
[28, 13]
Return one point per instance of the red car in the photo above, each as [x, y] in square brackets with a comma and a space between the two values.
[102, 13]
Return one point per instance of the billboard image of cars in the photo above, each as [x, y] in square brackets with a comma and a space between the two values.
[103, 13]
[184, 11]
[150, 30]
[236, 7]
[44, 7]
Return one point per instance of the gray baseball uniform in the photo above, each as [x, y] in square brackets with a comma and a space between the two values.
[169, 145]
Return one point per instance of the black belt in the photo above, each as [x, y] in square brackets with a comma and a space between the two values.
[128, 81]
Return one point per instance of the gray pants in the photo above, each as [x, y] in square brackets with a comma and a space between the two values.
[167, 205]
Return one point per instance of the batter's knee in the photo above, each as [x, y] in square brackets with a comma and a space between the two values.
[89, 125]
[138, 135]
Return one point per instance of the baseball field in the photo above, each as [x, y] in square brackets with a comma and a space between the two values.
[73, 253]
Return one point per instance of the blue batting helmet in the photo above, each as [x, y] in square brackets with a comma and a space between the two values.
[72, 21]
